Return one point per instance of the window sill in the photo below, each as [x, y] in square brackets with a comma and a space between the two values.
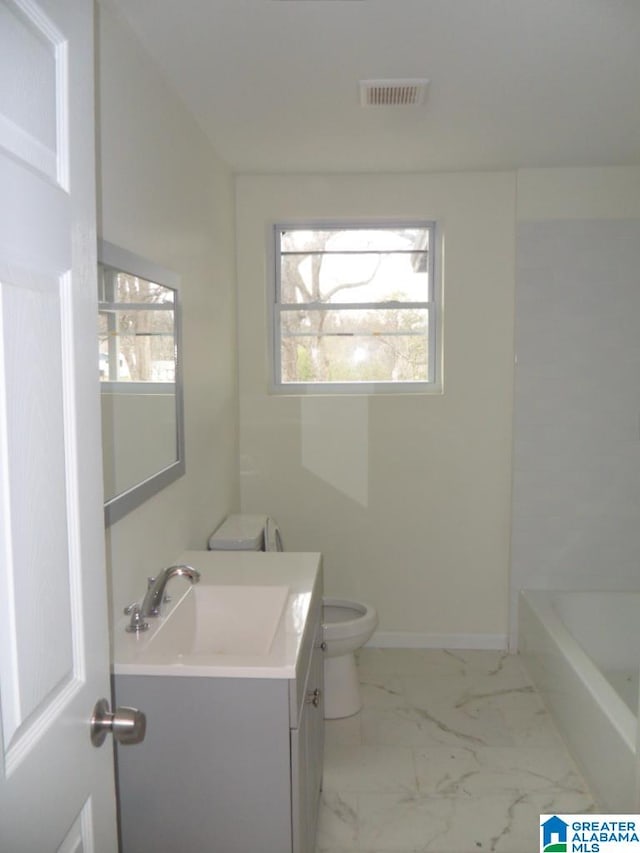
[365, 389]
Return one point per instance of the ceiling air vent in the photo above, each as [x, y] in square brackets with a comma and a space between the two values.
[392, 93]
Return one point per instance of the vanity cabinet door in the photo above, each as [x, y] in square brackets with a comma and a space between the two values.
[307, 745]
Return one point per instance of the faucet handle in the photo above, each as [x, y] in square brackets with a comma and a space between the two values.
[137, 623]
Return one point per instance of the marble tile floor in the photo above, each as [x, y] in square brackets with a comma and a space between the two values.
[453, 752]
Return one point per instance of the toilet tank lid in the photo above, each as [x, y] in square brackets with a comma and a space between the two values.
[239, 532]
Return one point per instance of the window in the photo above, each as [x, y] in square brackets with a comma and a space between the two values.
[354, 308]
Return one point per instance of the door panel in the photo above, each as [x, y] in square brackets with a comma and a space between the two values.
[33, 88]
[78, 838]
[41, 602]
[56, 790]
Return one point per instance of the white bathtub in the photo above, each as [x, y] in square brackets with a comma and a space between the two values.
[582, 651]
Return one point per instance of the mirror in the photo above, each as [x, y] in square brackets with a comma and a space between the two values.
[140, 383]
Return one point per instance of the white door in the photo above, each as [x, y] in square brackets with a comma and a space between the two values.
[56, 789]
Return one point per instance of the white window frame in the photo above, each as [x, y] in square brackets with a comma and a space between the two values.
[431, 385]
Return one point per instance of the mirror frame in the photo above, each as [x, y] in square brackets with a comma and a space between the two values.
[119, 505]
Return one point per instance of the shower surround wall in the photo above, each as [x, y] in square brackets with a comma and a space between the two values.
[576, 463]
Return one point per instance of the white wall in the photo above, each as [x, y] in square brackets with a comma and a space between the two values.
[576, 495]
[166, 196]
[408, 497]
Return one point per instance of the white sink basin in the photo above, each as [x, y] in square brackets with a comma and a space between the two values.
[245, 619]
[222, 620]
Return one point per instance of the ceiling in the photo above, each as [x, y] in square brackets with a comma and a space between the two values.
[513, 83]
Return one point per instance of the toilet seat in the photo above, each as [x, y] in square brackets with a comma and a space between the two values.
[342, 618]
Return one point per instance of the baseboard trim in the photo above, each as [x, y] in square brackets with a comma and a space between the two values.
[411, 640]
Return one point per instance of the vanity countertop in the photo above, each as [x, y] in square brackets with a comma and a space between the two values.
[181, 641]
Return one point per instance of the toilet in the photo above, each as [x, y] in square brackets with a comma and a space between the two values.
[347, 625]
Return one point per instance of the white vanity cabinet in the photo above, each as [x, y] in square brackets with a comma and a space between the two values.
[307, 746]
[229, 764]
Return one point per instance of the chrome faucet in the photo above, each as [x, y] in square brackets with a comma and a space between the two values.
[155, 593]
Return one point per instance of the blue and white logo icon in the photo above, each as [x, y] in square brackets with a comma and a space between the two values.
[589, 833]
[554, 835]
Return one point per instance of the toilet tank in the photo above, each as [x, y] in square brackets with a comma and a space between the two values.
[239, 533]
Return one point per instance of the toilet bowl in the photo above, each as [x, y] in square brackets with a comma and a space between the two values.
[347, 625]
